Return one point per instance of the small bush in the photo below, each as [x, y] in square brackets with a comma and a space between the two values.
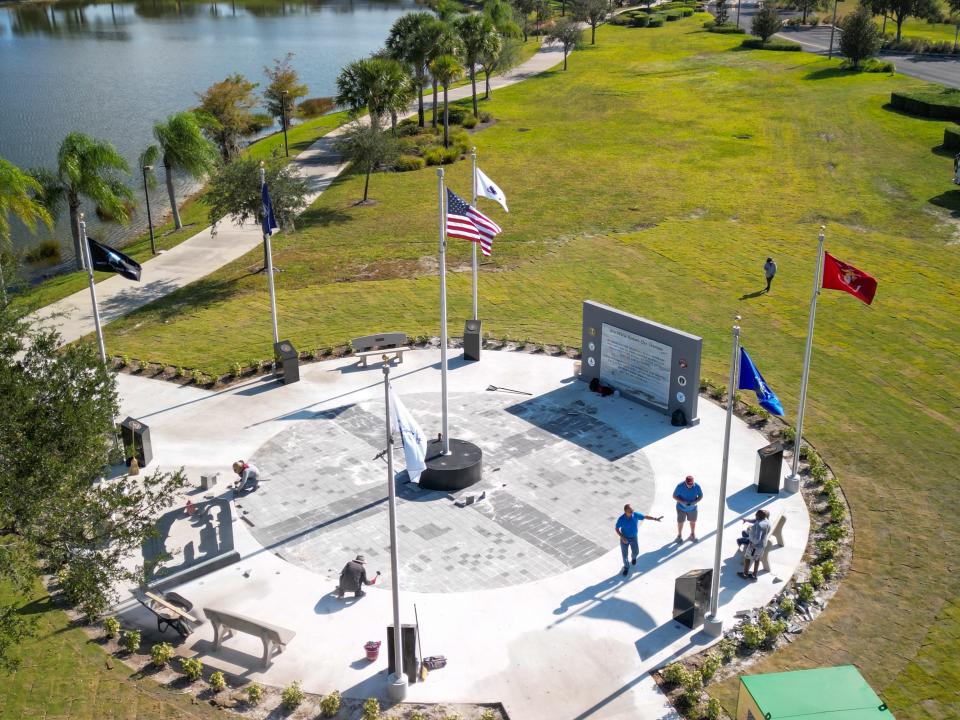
[805, 592]
[816, 577]
[835, 532]
[813, 20]
[639, 21]
[727, 29]
[488, 714]
[879, 66]
[672, 15]
[371, 709]
[727, 649]
[191, 668]
[655, 21]
[675, 674]
[218, 682]
[111, 627]
[752, 636]
[485, 116]
[687, 12]
[124, 361]
[45, 251]
[315, 107]
[826, 549]
[709, 24]
[710, 666]
[292, 696]
[455, 113]
[330, 705]
[179, 372]
[712, 710]
[236, 369]
[441, 156]
[772, 629]
[254, 693]
[787, 606]
[772, 44]
[718, 392]
[838, 510]
[828, 568]
[407, 163]
[470, 122]
[130, 640]
[160, 654]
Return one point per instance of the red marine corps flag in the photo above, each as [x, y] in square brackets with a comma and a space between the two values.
[837, 275]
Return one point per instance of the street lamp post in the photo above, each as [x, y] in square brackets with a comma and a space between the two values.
[283, 115]
[146, 194]
[833, 26]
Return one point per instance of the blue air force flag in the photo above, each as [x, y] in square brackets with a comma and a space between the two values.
[268, 222]
[414, 441]
[106, 259]
[751, 379]
[488, 188]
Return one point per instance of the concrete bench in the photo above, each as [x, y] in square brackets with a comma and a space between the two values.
[225, 623]
[775, 532]
[390, 344]
[171, 610]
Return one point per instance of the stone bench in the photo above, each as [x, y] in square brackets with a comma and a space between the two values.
[390, 344]
[775, 532]
[225, 623]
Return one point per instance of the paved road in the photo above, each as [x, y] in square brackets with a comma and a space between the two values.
[204, 253]
[932, 68]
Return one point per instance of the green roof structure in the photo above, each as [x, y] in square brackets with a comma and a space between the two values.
[836, 693]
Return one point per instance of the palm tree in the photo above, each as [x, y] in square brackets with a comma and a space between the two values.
[377, 85]
[182, 146]
[442, 42]
[18, 193]
[410, 42]
[475, 32]
[446, 69]
[86, 168]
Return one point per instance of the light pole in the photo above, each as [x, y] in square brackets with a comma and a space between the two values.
[146, 194]
[833, 26]
[283, 115]
[738, 13]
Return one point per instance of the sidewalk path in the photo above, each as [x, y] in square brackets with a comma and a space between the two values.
[204, 253]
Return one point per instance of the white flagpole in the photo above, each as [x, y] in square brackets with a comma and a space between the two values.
[792, 482]
[266, 241]
[88, 259]
[713, 624]
[444, 428]
[473, 246]
[397, 683]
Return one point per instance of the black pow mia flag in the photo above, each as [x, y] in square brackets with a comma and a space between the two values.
[106, 259]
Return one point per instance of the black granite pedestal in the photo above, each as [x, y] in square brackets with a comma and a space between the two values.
[460, 469]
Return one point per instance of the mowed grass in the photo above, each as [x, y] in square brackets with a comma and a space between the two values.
[656, 175]
[64, 676]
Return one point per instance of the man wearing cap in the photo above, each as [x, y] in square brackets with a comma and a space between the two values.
[354, 576]
[687, 495]
[627, 526]
[769, 271]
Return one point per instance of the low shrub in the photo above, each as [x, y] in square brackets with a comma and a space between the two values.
[933, 101]
[712, 710]
[488, 714]
[872, 65]
[330, 705]
[46, 251]
[254, 693]
[752, 636]
[130, 640]
[191, 668]
[292, 696]
[828, 568]
[756, 43]
[787, 606]
[727, 649]
[407, 163]
[710, 666]
[619, 20]
[485, 116]
[718, 391]
[111, 627]
[160, 654]
[198, 377]
[687, 12]
[655, 21]
[315, 107]
[640, 21]
[179, 372]
[675, 674]
[816, 577]
[470, 122]
[672, 15]
[727, 29]
[455, 114]
[813, 20]
[441, 156]
[789, 434]
[771, 629]
[826, 549]
[218, 681]
[835, 532]
[709, 24]
[805, 592]
[371, 709]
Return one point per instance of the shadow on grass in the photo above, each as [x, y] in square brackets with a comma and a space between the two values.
[829, 73]
[322, 217]
[897, 111]
[943, 151]
[195, 296]
[949, 200]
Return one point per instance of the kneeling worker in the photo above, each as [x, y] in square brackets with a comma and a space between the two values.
[249, 476]
[354, 576]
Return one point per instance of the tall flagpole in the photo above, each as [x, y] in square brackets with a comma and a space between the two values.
[473, 245]
[397, 683]
[444, 427]
[792, 482]
[713, 624]
[266, 241]
[88, 259]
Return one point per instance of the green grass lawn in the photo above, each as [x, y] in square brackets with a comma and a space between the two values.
[656, 175]
[64, 676]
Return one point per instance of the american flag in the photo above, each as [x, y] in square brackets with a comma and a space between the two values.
[468, 223]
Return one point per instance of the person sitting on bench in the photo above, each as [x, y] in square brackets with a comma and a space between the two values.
[354, 576]
[756, 544]
[249, 476]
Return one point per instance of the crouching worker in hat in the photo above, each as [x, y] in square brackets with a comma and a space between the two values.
[249, 476]
[354, 576]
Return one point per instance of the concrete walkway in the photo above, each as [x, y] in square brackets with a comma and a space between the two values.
[204, 253]
[576, 641]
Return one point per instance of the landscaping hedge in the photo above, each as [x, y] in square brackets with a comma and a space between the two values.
[727, 29]
[640, 21]
[655, 21]
[951, 138]
[933, 102]
[672, 15]
[755, 43]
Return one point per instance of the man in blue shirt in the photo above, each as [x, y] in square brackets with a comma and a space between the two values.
[627, 526]
[687, 495]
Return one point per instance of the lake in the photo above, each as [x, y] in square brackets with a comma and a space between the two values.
[112, 69]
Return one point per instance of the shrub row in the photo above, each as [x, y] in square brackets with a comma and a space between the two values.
[727, 28]
[755, 43]
[919, 45]
[933, 102]
[951, 138]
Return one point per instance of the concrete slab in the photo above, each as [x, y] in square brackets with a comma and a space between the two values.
[571, 638]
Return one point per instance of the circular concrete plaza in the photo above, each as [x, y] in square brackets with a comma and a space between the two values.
[555, 479]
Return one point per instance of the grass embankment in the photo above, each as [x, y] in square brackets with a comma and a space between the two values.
[193, 214]
[656, 175]
[65, 675]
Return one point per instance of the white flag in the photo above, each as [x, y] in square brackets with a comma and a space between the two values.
[488, 188]
[414, 441]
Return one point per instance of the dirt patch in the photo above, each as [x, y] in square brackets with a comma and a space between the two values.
[826, 137]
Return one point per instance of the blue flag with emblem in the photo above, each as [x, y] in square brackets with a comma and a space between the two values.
[106, 259]
[751, 379]
[268, 221]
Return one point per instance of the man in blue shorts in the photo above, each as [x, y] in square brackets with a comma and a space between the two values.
[627, 526]
[688, 494]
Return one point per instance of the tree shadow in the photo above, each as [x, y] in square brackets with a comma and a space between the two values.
[829, 73]
[949, 200]
[322, 217]
[196, 295]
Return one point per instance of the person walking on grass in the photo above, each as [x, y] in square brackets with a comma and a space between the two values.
[627, 526]
[687, 494]
[769, 271]
[757, 537]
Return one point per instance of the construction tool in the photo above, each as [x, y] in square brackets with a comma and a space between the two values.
[423, 665]
[509, 390]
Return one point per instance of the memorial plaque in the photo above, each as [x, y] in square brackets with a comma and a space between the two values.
[636, 365]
